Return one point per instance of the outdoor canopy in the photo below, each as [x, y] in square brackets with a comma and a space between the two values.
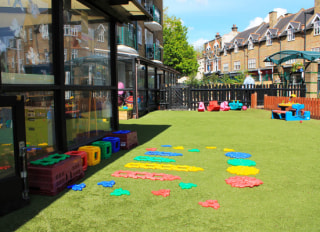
[283, 56]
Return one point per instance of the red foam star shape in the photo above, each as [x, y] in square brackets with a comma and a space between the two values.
[151, 149]
[243, 181]
[162, 192]
[210, 203]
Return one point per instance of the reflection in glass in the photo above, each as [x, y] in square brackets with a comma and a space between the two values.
[142, 103]
[86, 46]
[25, 42]
[39, 122]
[141, 76]
[7, 164]
[88, 115]
[151, 71]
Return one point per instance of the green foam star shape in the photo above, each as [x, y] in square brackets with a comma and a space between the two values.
[120, 192]
[187, 185]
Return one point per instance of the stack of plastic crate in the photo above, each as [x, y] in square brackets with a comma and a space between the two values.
[128, 139]
[52, 174]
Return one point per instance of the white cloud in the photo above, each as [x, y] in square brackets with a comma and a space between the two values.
[199, 43]
[280, 11]
[258, 20]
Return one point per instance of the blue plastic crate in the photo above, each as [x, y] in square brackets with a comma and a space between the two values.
[115, 141]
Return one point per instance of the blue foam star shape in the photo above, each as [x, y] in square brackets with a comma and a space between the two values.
[107, 183]
[77, 187]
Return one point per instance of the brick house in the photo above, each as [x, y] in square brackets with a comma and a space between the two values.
[247, 49]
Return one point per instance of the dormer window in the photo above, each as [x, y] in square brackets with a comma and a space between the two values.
[236, 48]
[250, 45]
[225, 52]
[316, 28]
[269, 39]
[290, 35]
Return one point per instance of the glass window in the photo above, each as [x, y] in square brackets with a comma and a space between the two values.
[251, 63]
[88, 115]
[125, 81]
[141, 76]
[317, 28]
[291, 35]
[7, 162]
[250, 45]
[151, 77]
[225, 67]
[26, 43]
[39, 122]
[139, 35]
[87, 57]
[269, 39]
[236, 48]
[236, 65]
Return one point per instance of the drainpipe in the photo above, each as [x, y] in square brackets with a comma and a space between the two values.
[136, 89]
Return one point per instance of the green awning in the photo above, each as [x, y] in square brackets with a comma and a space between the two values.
[283, 56]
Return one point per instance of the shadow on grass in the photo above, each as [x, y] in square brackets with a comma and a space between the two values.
[16, 219]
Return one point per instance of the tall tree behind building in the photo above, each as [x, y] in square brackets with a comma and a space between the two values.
[177, 53]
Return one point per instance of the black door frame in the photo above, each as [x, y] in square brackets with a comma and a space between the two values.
[14, 189]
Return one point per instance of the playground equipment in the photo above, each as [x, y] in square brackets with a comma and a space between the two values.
[296, 114]
[184, 168]
[145, 175]
[84, 157]
[210, 203]
[235, 105]
[120, 192]
[243, 170]
[213, 106]
[186, 185]
[243, 181]
[50, 179]
[94, 154]
[201, 107]
[224, 106]
[162, 192]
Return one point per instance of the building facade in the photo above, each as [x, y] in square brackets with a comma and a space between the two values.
[248, 49]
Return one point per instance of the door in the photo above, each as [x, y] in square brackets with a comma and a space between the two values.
[13, 177]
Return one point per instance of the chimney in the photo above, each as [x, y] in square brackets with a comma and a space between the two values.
[317, 6]
[272, 19]
[218, 35]
[234, 28]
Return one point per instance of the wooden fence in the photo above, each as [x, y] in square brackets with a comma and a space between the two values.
[310, 104]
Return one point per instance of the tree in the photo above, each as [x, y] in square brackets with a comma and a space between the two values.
[177, 53]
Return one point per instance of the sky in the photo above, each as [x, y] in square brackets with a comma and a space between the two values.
[204, 18]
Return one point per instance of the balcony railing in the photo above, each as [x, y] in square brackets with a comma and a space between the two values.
[153, 52]
[126, 35]
[155, 12]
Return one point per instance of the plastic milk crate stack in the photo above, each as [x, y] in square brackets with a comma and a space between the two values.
[53, 173]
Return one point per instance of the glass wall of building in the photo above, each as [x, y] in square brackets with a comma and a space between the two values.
[59, 56]
[87, 63]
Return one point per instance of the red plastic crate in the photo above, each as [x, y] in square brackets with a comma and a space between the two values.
[52, 179]
[83, 155]
[127, 141]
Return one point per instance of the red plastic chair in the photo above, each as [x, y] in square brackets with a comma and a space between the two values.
[213, 106]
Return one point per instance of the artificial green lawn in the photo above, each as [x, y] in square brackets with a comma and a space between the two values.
[286, 153]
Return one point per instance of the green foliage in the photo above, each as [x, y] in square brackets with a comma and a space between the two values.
[177, 53]
[192, 80]
[210, 79]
